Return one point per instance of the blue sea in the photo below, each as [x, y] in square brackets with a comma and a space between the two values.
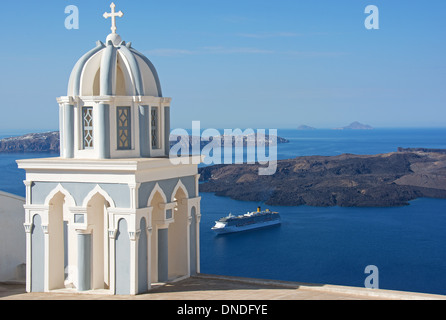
[323, 245]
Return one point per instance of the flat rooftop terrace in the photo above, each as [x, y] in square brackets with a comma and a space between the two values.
[212, 287]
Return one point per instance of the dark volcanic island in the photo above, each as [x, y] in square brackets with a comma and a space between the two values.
[347, 180]
[384, 180]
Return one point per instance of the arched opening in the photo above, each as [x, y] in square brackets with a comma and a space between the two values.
[62, 242]
[178, 236]
[98, 222]
[56, 243]
[159, 257]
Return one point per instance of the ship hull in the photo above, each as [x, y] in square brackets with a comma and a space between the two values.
[233, 229]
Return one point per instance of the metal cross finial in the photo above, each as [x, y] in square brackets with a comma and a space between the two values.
[113, 16]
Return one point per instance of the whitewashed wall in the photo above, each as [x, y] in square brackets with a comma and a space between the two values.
[12, 237]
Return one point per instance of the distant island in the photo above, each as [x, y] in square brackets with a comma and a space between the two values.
[352, 126]
[32, 142]
[355, 126]
[305, 127]
[50, 142]
[383, 180]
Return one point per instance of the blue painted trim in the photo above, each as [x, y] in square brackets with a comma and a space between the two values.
[163, 255]
[134, 69]
[152, 68]
[79, 190]
[37, 256]
[103, 134]
[144, 131]
[167, 131]
[84, 262]
[108, 69]
[193, 242]
[143, 261]
[122, 259]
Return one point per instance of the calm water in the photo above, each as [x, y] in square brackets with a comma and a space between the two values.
[333, 245]
[323, 245]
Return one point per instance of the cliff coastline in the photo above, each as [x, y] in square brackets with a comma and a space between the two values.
[383, 180]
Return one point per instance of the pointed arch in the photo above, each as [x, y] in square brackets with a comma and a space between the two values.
[177, 187]
[102, 192]
[156, 189]
[68, 197]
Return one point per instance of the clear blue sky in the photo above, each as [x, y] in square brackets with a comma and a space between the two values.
[241, 63]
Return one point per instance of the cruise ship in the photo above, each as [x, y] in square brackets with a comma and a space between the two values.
[248, 221]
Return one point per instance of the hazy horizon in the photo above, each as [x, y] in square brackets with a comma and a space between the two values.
[14, 132]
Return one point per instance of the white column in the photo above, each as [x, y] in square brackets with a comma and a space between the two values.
[198, 213]
[134, 236]
[45, 228]
[28, 228]
[149, 257]
[28, 185]
[197, 182]
[134, 188]
[112, 236]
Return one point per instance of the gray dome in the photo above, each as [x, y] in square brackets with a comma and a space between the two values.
[114, 69]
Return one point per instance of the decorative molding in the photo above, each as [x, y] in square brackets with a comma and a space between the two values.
[134, 235]
[122, 211]
[69, 198]
[45, 228]
[168, 206]
[66, 100]
[177, 187]
[112, 233]
[28, 227]
[113, 100]
[156, 189]
[27, 183]
[36, 207]
[189, 221]
[134, 185]
[78, 210]
[102, 192]
[84, 231]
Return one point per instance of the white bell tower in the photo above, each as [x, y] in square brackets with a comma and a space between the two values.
[112, 212]
[114, 107]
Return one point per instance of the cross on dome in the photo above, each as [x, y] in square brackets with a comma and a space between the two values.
[113, 16]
